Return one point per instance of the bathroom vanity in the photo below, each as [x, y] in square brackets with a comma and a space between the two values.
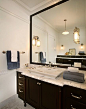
[39, 94]
[48, 93]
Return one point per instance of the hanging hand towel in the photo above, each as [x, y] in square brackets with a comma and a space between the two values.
[13, 56]
[44, 55]
[12, 65]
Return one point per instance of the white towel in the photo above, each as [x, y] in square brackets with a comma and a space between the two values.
[72, 69]
[13, 56]
[44, 55]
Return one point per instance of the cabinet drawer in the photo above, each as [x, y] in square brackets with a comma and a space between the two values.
[21, 92]
[67, 61]
[59, 60]
[21, 83]
[20, 76]
[71, 104]
[75, 94]
[84, 62]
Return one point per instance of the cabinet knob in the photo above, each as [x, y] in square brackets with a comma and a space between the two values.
[20, 84]
[76, 96]
[72, 107]
[20, 91]
[38, 83]
[20, 77]
[69, 60]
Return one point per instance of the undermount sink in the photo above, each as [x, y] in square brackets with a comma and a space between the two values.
[43, 75]
[46, 72]
[37, 74]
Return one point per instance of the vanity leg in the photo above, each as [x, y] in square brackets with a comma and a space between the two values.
[25, 104]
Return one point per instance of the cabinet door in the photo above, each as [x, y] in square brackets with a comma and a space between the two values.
[32, 92]
[50, 96]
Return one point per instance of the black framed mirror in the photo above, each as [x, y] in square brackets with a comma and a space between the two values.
[48, 24]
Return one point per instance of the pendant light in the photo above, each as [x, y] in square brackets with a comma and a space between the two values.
[65, 32]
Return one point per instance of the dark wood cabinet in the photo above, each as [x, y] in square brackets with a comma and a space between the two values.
[74, 98]
[72, 104]
[32, 91]
[20, 85]
[50, 96]
[59, 60]
[42, 95]
[71, 59]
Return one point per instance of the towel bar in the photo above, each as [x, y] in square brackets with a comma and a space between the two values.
[20, 52]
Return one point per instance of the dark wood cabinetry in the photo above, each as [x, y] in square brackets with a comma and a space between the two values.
[32, 91]
[21, 86]
[43, 95]
[39, 94]
[74, 98]
[50, 96]
[70, 59]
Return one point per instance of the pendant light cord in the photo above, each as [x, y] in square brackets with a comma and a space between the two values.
[65, 24]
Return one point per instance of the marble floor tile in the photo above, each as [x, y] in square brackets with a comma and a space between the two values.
[17, 104]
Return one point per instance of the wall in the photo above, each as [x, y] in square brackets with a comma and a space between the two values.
[46, 34]
[67, 41]
[14, 35]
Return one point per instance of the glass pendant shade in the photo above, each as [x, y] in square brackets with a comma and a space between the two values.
[65, 32]
[34, 42]
[38, 43]
[76, 36]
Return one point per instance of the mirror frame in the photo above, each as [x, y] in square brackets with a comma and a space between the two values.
[58, 3]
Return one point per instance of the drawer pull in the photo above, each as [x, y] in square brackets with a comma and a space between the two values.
[20, 91]
[20, 84]
[76, 96]
[72, 107]
[38, 83]
[69, 60]
[20, 77]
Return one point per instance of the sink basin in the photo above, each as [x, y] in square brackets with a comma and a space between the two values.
[37, 74]
[46, 72]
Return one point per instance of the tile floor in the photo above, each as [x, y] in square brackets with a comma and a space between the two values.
[17, 104]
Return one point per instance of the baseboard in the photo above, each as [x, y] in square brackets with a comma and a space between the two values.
[5, 102]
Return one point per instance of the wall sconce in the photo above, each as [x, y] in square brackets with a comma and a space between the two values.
[82, 46]
[36, 41]
[62, 46]
[76, 35]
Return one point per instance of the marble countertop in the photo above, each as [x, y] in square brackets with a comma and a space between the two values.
[53, 78]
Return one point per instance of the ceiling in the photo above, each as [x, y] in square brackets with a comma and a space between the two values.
[32, 3]
[74, 11]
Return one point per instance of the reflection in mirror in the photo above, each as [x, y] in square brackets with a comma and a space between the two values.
[47, 29]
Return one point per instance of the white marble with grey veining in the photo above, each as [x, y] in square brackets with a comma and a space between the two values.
[52, 78]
